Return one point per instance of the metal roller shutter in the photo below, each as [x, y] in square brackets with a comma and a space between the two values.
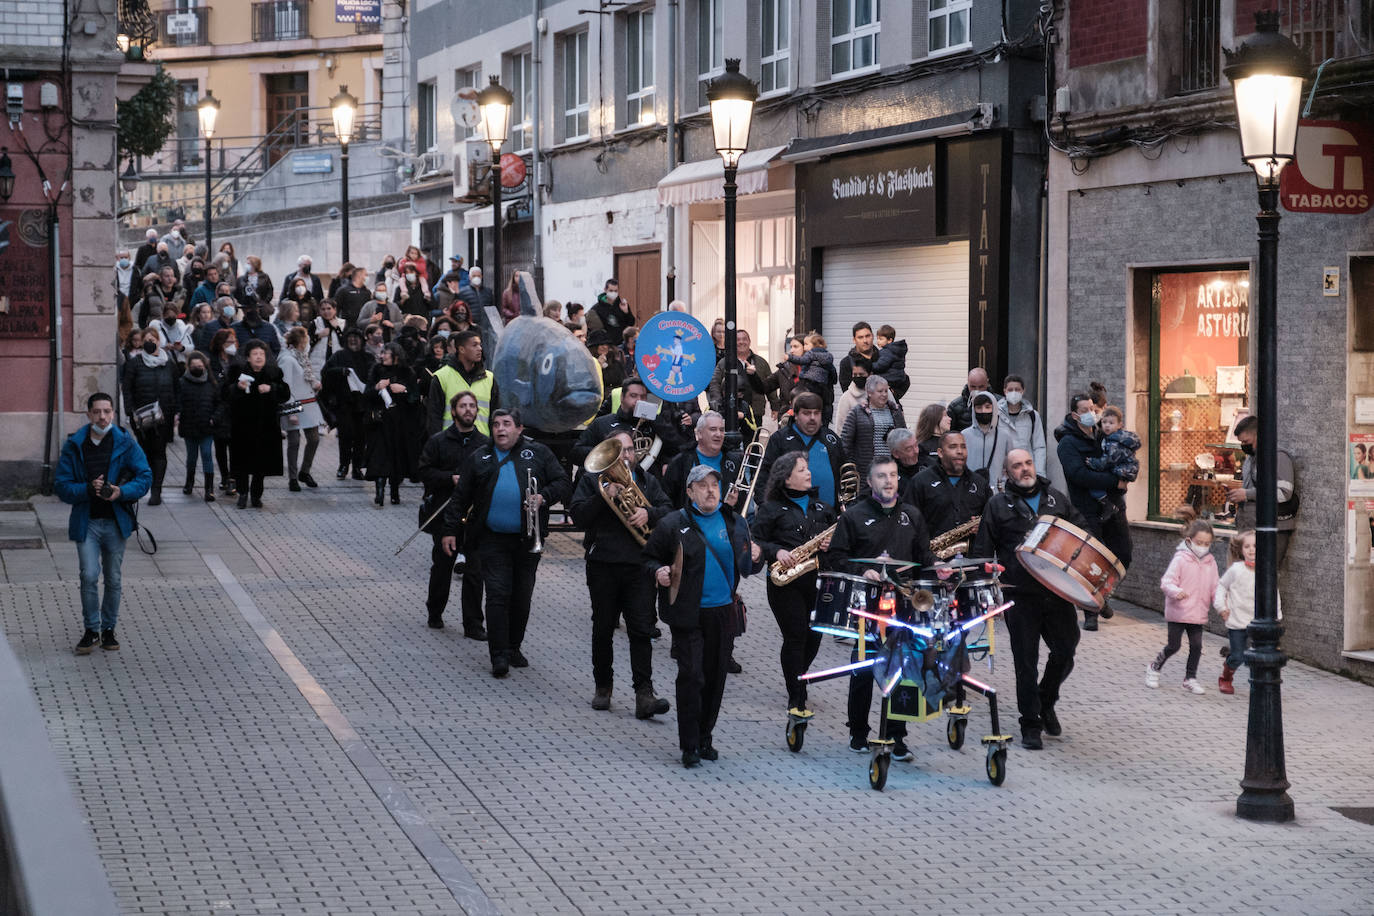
[922, 291]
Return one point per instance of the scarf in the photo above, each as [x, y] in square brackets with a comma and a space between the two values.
[153, 360]
[1024, 492]
[303, 360]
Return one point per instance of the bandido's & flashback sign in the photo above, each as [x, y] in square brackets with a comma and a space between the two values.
[872, 196]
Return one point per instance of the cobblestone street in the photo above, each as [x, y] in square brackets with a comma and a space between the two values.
[281, 733]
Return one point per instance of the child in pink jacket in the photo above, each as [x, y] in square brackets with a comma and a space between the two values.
[1188, 585]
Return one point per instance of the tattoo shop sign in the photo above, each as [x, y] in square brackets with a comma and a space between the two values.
[884, 196]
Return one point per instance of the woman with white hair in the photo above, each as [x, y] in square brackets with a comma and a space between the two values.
[304, 268]
[864, 435]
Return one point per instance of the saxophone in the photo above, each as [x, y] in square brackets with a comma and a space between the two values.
[955, 540]
[804, 559]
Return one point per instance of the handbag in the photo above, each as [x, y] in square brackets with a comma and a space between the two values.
[739, 617]
[148, 417]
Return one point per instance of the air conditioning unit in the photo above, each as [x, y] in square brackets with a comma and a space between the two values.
[471, 169]
[431, 163]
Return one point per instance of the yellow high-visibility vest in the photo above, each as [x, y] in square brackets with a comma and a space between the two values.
[453, 383]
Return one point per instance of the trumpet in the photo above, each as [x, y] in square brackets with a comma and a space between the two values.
[746, 481]
[606, 460]
[847, 490]
[532, 512]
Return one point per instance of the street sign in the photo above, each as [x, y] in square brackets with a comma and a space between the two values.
[1333, 171]
[181, 24]
[312, 163]
[513, 171]
[369, 11]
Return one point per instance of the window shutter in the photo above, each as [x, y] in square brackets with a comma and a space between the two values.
[920, 29]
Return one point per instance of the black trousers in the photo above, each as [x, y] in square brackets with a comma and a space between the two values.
[1176, 632]
[352, 438]
[861, 698]
[1114, 532]
[222, 459]
[703, 656]
[615, 589]
[792, 606]
[1038, 615]
[508, 571]
[441, 583]
[252, 484]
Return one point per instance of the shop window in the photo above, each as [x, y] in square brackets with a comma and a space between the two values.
[1199, 387]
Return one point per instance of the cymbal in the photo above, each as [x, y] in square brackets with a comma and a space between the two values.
[885, 561]
[964, 562]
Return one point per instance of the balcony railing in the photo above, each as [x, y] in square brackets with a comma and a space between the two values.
[281, 20]
[366, 28]
[183, 28]
[1328, 28]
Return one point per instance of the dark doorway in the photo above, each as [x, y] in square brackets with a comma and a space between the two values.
[288, 97]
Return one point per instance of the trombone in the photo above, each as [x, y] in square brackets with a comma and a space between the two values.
[746, 481]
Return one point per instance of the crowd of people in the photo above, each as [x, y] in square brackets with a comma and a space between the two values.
[243, 370]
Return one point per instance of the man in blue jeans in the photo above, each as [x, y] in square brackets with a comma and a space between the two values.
[101, 472]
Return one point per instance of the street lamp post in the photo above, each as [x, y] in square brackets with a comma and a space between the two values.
[1266, 76]
[345, 109]
[732, 96]
[208, 109]
[495, 103]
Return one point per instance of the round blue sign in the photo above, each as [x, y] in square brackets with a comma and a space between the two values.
[675, 356]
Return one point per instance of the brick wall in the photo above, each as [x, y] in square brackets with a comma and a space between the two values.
[1245, 15]
[1106, 30]
[31, 23]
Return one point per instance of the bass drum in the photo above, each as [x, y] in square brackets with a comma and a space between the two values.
[1070, 562]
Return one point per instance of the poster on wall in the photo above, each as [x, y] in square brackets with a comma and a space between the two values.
[1360, 455]
[369, 11]
[24, 274]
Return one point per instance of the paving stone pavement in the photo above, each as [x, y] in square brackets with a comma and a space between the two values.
[212, 786]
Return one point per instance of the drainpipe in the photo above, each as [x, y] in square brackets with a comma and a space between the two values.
[536, 162]
[671, 253]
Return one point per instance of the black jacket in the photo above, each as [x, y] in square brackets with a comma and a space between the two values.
[867, 529]
[262, 292]
[335, 393]
[781, 524]
[943, 504]
[606, 539]
[204, 335]
[350, 301]
[252, 327]
[680, 528]
[199, 404]
[856, 435]
[144, 384]
[477, 480]
[789, 439]
[256, 439]
[856, 358]
[602, 427]
[1075, 446]
[442, 456]
[1007, 519]
[753, 392]
[288, 287]
[675, 475]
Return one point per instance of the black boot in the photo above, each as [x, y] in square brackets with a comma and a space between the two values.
[190, 482]
[209, 488]
[395, 492]
[159, 468]
[381, 492]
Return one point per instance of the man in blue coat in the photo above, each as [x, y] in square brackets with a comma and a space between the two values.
[101, 472]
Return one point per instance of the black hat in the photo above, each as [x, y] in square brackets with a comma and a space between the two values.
[598, 337]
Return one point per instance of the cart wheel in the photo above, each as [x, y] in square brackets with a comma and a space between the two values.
[877, 772]
[954, 732]
[796, 734]
[997, 766]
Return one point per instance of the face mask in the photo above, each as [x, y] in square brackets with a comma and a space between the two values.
[612, 296]
[300, 291]
[230, 350]
[305, 269]
[412, 276]
[123, 263]
[1014, 398]
[1247, 448]
[101, 430]
[475, 281]
[150, 346]
[984, 419]
[196, 372]
[381, 296]
[389, 264]
[1199, 552]
[227, 311]
[444, 333]
[1087, 418]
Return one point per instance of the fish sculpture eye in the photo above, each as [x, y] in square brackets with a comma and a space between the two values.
[547, 365]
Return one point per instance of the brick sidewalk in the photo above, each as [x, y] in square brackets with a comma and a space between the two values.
[212, 785]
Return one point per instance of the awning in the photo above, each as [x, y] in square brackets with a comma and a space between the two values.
[477, 218]
[809, 149]
[694, 182]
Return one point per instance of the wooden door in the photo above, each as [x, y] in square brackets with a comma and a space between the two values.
[638, 273]
[288, 95]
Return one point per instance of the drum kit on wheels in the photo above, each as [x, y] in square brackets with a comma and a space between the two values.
[919, 633]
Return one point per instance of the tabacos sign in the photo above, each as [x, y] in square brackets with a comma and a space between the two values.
[1333, 171]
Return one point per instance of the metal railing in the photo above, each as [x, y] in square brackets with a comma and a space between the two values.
[1201, 45]
[173, 27]
[1328, 28]
[366, 28]
[281, 20]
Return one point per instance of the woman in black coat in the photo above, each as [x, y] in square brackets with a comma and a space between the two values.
[790, 516]
[254, 389]
[199, 404]
[347, 405]
[392, 447]
[224, 350]
[150, 376]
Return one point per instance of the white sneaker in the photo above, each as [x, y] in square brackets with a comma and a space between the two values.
[1192, 686]
[1151, 676]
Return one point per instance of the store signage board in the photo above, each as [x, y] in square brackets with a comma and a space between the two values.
[312, 163]
[24, 274]
[1333, 171]
[874, 197]
[369, 11]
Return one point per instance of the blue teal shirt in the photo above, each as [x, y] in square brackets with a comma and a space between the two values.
[504, 513]
[1034, 503]
[822, 477]
[713, 463]
[803, 501]
[717, 585]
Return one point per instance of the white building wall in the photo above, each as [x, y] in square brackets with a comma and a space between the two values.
[580, 243]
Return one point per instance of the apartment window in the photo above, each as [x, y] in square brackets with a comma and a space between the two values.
[710, 45]
[639, 68]
[467, 78]
[425, 134]
[949, 25]
[854, 35]
[775, 53]
[518, 81]
[575, 100]
[281, 20]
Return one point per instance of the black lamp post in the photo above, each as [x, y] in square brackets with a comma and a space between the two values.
[732, 96]
[1266, 76]
[495, 102]
[208, 109]
[345, 108]
[129, 179]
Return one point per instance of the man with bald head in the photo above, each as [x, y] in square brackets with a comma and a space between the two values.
[950, 494]
[1038, 613]
[960, 409]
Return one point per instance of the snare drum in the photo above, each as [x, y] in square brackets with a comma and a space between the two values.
[943, 592]
[976, 597]
[1070, 562]
[837, 595]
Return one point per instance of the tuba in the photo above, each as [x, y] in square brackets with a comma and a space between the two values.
[747, 480]
[847, 489]
[605, 460]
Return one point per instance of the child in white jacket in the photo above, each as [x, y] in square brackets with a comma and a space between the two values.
[1235, 602]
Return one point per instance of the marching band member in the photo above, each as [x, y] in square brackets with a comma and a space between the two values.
[948, 495]
[876, 525]
[440, 461]
[809, 435]
[493, 484]
[1039, 613]
[632, 391]
[710, 441]
[716, 552]
[790, 515]
[616, 580]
